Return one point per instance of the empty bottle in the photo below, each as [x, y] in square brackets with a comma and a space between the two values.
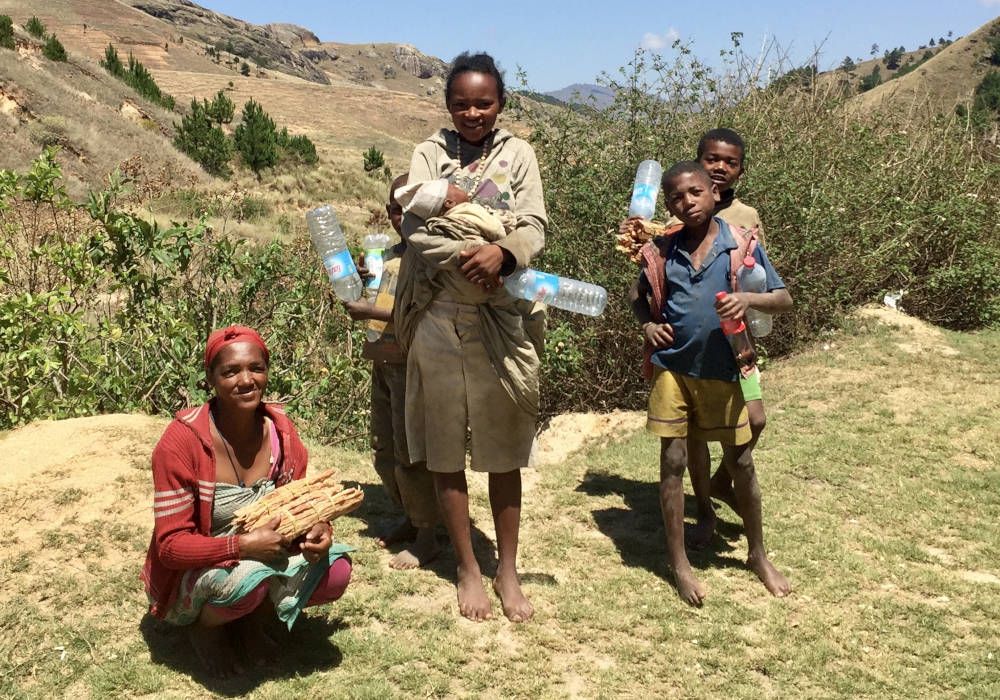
[739, 339]
[645, 189]
[374, 245]
[560, 292]
[328, 240]
[752, 278]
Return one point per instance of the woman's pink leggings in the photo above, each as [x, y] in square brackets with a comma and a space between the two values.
[331, 587]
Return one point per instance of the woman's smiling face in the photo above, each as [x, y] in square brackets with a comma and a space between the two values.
[239, 376]
[474, 105]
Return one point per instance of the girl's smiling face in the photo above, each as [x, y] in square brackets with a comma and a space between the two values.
[239, 376]
[474, 105]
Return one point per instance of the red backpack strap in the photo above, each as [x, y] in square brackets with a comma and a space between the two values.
[746, 244]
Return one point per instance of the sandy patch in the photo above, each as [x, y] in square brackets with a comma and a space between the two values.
[572, 432]
[923, 336]
[979, 577]
[133, 113]
[10, 106]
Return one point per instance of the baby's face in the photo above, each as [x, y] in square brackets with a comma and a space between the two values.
[456, 195]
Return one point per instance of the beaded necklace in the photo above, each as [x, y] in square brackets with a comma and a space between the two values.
[478, 176]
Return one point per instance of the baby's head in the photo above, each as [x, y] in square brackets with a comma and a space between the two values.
[429, 199]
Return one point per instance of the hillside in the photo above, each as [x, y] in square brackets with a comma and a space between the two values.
[944, 80]
[343, 97]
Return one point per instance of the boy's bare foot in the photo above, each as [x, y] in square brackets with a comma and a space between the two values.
[214, 648]
[516, 605]
[473, 602]
[722, 489]
[699, 536]
[689, 588]
[403, 531]
[423, 551]
[774, 581]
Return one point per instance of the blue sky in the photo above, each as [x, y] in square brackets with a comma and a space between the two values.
[559, 43]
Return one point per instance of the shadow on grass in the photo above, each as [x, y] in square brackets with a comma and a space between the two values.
[379, 514]
[637, 529]
[307, 648]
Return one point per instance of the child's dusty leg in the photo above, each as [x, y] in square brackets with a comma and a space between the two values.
[453, 499]
[505, 501]
[673, 460]
[739, 461]
[416, 488]
[699, 466]
[722, 480]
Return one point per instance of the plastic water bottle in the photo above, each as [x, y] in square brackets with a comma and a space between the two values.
[328, 240]
[374, 245]
[560, 292]
[645, 189]
[753, 279]
[739, 339]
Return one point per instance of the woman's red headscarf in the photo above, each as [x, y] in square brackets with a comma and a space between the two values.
[229, 335]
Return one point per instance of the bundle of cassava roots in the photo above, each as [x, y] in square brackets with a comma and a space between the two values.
[635, 233]
[301, 504]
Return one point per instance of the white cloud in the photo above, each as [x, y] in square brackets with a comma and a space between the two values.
[658, 42]
[990, 3]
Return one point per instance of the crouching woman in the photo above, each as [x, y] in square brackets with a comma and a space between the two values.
[212, 460]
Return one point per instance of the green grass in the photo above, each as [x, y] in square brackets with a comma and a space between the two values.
[879, 470]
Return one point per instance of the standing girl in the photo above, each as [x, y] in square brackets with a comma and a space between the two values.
[472, 368]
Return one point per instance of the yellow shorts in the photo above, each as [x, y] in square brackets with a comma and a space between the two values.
[707, 409]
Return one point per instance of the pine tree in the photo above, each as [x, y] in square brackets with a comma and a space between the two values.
[112, 63]
[204, 143]
[6, 32]
[35, 27]
[256, 138]
[53, 49]
[221, 109]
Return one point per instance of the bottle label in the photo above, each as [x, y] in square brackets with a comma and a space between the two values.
[375, 263]
[544, 287]
[643, 199]
[339, 265]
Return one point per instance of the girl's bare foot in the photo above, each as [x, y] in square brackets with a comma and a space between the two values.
[403, 531]
[473, 602]
[214, 648]
[689, 588]
[423, 551]
[699, 536]
[516, 605]
[774, 581]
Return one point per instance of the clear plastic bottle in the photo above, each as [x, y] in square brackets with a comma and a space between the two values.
[739, 339]
[560, 292]
[328, 240]
[753, 279]
[645, 189]
[374, 245]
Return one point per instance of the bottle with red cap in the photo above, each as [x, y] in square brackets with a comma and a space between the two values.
[753, 279]
[738, 336]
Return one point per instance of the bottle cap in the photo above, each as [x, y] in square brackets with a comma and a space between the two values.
[749, 261]
[720, 295]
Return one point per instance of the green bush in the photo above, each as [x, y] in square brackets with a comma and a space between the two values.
[103, 311]
[845, 221]
[6, 32]
[994, 48]
[297, 148]
[256, 138]
[53, 49]
[112, 63]
[204, 142]
[873, 79]
[34, 27]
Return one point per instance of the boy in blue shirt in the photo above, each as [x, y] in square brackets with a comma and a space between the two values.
[696, 390]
